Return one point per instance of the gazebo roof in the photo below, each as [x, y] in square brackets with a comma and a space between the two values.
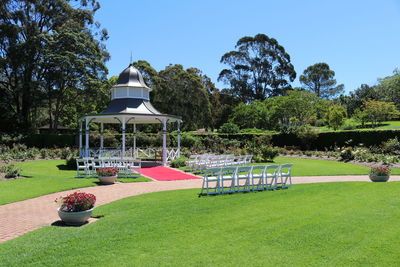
[131, 77]
[131, 108]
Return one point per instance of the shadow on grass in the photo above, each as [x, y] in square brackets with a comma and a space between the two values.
[64, 167]
[60, 223]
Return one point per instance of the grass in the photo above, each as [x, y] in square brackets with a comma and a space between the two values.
[45, 177]
[385, 125]
[332, 224]
[315, 167]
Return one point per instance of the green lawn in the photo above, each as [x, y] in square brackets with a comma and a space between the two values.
[330, 224]
[385, 125]
[315, 167]
[45, 177]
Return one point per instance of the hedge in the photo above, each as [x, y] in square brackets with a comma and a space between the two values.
[323, 140]
[50, 140]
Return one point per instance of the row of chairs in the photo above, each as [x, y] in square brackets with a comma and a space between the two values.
[246, 178]
[205, 161]
[126, 167]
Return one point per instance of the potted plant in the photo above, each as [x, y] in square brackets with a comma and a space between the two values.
[107, 175]
[76, 208]
[379, 174]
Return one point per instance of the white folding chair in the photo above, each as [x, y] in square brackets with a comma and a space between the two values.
[82, 168]
[228, 174]
[284, 176]
[271, 177]
[133, 168]
[258, 177]
[211, 181]
[243, 178]
[96, 164]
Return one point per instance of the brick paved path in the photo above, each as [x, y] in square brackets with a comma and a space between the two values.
[24, 216]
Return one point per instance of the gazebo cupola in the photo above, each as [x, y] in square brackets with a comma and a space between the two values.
[130, 104]
[130, 84]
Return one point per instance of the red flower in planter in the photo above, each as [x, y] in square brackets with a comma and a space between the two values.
[110, 171]
[380, 171]
[77, 201]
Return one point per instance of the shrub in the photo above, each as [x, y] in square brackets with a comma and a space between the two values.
[10, 171]
[76, 202]
[391, 146]
[268, 153]
[71, 163]
[179, 162]
[229, 127]
[347, 154]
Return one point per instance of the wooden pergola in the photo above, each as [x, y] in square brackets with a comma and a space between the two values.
[130, 104]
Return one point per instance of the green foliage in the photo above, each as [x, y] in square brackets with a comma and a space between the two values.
[229, 127]
[10, 170]
[268, 153]
[378, 111]
[326, 140]
[319, 79]
[258, 68]
[179, 162]
[347, 153]
[391, 146]
[336, 116]
[52, 57]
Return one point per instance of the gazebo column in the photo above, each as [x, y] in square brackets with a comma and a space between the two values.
[87, 137]
[179, 139]
[164, 149]
[134, 141]
[123, 137]
[80, 139]
[101, 135]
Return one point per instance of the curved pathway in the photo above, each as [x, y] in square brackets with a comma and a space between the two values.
[24, 216]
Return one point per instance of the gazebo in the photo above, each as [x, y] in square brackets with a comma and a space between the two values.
[130, 104]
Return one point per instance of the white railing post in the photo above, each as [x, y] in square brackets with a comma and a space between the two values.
[87, 137]
[101, 135]
[164, 148]
[179, 139]
[123, 137]
[80, 139]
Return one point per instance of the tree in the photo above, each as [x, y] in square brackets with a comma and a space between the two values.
[335, 116]
[258, 68]
[48, 49]
[389, 89]
[378, 111]
[294, 110]
[180, 92]
[319, 79]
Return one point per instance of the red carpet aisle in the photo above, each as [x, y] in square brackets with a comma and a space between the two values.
[161, 173]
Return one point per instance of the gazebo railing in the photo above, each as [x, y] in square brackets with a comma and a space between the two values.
[140, 153]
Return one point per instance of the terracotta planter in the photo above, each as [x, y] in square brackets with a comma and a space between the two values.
[107, 179]
[375, 178]
[75, 218]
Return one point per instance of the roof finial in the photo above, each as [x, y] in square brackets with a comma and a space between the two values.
[130, 61]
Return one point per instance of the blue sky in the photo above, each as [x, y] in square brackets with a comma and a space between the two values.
[359, 40]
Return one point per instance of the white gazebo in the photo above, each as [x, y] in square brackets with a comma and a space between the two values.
[130, 104]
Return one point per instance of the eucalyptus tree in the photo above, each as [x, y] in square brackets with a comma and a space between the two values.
[48, 50]
[319, 79]
[258, 68]
[181, 92]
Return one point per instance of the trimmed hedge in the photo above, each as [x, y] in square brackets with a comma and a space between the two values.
[194, 141]
[50, 140]
[342, 138]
